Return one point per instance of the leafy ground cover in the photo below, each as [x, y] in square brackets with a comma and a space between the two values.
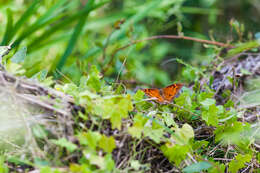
[213, 125]
[71, 79]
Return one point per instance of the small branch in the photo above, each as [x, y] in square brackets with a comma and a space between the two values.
[167, 37]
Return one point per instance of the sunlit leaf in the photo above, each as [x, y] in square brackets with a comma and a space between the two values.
[175, 153]
[90, 139]
[197, 167]
[19, 56]
[107, 143]
[65, 143]
[239, 162]
[138, 126]
[185, 134]
[115, 108]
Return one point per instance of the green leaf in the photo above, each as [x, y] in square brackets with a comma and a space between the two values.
[189, 74]
[231, 133]
[93, 81]
[204, 95]
[245, 71]
[258, 157]
[82, 168]
[18, 160]
[89, 138]
[218, 167]
[108, 144]
[199, 146]
[115, 108]
[41, 162]
[110, 164]
[211, 115]
[138, 126]
[39, 131]
[138, 96]
[3, 166]
[69, 88]
[148, 7]
[19, 56]
[185, 133]
[72, 42]
[135, 164]
[239, 162]
[139, 15]
[46, 169]
[243, 47]
[184, 99]
[24, 18]
[155, 134]
[15, 68]
[175, 153]
[63, 142]
[197, 70]
[97, 160]
[9, 28]
[197, 167]
[90, 5]
[168, 119]
[50, 15]
[250, 99]
[41, 75]
[208, 102]
[86, 97]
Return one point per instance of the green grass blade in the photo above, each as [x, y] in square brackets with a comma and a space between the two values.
[53, 11]
[9, 27]
[24, 18]
[202, 11]
[75, 35]
[54, 40]
[55, 28]
[134, 19]
[72, 42]
[242, 47]
[47, 18]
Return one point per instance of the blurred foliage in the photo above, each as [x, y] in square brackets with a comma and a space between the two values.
[80, 43]
[67, 37]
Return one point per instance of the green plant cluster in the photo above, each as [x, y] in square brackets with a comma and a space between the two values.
[66, 37]
[80, 43]
[170, 128]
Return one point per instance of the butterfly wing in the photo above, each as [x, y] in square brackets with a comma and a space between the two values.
[154, 93]
[170, 91]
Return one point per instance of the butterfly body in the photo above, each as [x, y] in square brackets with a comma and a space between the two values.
[164, 95]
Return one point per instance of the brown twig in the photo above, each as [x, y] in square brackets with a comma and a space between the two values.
[167, 37]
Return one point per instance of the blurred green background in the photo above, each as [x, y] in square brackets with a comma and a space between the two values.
[65, 38]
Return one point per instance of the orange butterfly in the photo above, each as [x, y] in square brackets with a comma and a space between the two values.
[164, 95]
